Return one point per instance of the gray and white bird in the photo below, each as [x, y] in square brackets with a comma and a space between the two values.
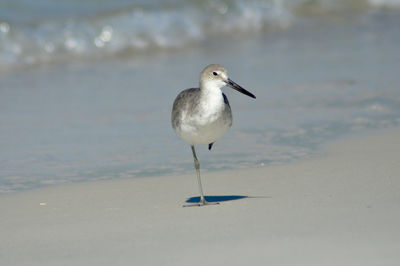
[203, 115]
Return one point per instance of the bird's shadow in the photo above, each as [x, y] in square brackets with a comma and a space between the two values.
[220, 198]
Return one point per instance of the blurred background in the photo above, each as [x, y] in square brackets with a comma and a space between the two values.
[86, 87]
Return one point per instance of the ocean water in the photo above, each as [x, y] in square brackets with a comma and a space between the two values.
[86, 87]
[43, 31]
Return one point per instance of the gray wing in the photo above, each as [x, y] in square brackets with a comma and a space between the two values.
[186, 101]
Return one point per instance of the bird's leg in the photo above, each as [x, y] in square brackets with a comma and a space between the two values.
[203, 201]
[197, 166]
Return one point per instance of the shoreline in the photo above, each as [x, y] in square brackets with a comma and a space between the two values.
[337, 208]
[320, 151]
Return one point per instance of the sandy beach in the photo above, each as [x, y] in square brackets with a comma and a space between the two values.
[340, 208]
[91, 172]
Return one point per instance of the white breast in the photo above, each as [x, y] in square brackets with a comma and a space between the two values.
[208, 124]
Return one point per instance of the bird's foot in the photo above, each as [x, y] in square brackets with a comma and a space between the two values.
[200, 204]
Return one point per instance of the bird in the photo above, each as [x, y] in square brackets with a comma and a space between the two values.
[202, 115]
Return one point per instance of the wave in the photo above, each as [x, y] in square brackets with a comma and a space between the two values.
[140, 28]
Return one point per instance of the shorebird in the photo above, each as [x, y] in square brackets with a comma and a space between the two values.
[203, 115]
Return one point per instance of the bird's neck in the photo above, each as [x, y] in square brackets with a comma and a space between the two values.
[212, 94]
[210, 89]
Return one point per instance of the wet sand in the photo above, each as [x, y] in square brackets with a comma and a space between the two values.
[341, 208]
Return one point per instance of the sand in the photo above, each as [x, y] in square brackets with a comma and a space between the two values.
[340, 208]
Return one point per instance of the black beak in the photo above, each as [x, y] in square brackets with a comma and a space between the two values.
[235, 86]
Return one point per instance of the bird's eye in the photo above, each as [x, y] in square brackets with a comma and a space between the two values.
[215, 73]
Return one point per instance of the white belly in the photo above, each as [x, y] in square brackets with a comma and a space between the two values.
[206, 133]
